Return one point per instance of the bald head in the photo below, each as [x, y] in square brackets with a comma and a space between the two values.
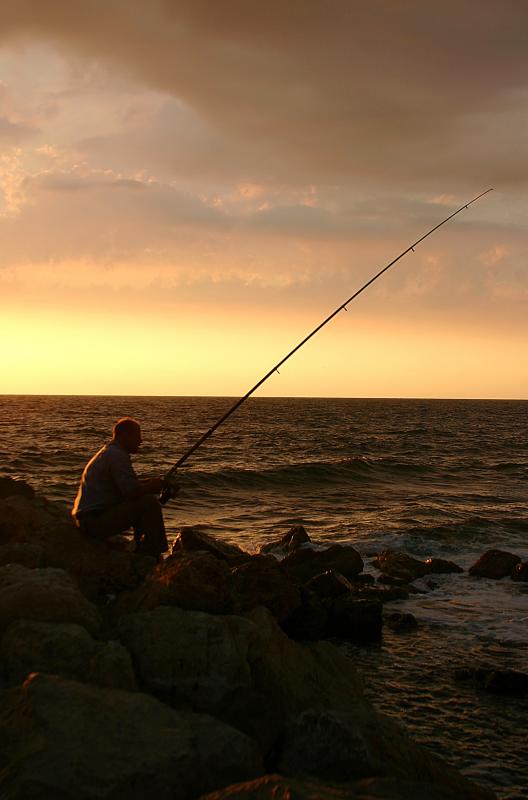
[127, 433]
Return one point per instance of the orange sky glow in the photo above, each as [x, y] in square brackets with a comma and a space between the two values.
[177, 211]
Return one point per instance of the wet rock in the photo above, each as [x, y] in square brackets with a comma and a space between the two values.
[188, 657]
[401, 622]
[329, 584]
[279, 787]
[342, 747]
[438, 566]
[11, 487]
[63, 649]
[400, 565]
[495, 681]
[29, 555]
[46, 595]
[494, 564]
[263, 582]
[382, 594]
[355, 620]
[390, 580]
[520, 572]
[306, 563]
[288, 543]
[309, 622]
[190, 540]
[196, 580]
[128, 747]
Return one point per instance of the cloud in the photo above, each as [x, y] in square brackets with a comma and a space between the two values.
[414, 92]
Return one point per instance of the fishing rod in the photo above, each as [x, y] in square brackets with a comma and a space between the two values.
[170, 489]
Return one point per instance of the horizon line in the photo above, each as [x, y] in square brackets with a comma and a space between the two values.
[270, 397]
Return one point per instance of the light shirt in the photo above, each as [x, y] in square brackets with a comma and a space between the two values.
[108, 479]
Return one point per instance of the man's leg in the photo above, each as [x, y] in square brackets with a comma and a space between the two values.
[143, 514]
[149, 528]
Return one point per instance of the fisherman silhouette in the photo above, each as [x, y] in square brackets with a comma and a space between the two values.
[111, 498]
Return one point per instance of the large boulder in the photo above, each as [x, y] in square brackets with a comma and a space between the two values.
[190, 539]
[263, 582]
[196, 580]
[40, 532]
[400, 565]
[299, 676]
[63, 649]
[295, 538]
[494, 564]
[192, 658]
[306, 563]
[279, 787]
[46, 594]
[64, 739]
[188, 657]
[342, 747]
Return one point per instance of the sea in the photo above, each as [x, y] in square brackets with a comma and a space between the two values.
[445, 478]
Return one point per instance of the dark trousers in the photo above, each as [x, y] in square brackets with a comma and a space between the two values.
[143, 514]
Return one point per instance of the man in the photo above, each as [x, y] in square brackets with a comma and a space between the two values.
[112, 499]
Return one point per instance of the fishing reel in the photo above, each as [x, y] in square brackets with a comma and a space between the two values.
[170, 490]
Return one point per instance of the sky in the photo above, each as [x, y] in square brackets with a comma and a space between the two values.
[188, 187]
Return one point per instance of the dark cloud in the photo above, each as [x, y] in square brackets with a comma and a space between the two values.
[342, 90]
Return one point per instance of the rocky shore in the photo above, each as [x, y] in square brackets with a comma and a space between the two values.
[205, 675]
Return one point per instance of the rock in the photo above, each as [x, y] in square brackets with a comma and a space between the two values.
[329, 584]
[64, 649]
[11, 487]
[263, 582]
[400, 565]
[390, 580]
[197, 659]
[309, 622]
[343, 747]
[494, 564]
[29, 555]
[39, 523]
[196, 580]
[438, 566]
[520, 572]
[495, 681]
[306, 563]
[188, 657]
[288, 543]
[253, 713]
[382, 594]
[47, 595]
[299, 676]
[401, 622]
[355, 620]
[190, 539]
[79, 742]
[279, 787]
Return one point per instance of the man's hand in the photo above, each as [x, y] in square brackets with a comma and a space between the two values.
[151, 485]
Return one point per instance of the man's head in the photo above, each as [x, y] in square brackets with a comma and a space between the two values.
[127, 433]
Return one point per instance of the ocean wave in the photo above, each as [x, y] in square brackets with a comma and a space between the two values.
[345, 471]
